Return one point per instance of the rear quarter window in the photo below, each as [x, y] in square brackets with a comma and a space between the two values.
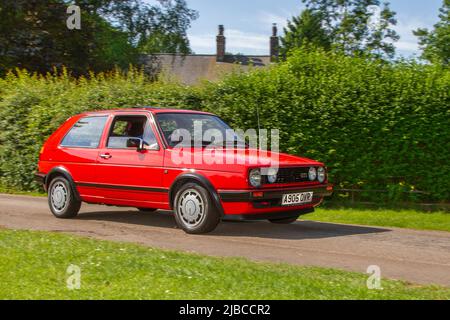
[86, 133]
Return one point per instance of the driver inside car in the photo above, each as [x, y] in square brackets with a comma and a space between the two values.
[135, 130]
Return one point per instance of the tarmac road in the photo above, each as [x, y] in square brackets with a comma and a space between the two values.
[421, 257]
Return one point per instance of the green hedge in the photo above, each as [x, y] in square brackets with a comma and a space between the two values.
[32, 107]
[378, 126]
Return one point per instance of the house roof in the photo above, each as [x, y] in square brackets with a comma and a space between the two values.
[192, 69]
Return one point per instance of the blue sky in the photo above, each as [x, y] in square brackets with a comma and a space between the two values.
[248, 22]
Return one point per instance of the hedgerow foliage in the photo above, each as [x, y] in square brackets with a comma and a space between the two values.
[32, 107]
[377, 125]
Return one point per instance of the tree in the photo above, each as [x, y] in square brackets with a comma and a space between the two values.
[435, 44]
[357, 26]
[305, 30]
[160, 27]
[34, 35]
[165, 42]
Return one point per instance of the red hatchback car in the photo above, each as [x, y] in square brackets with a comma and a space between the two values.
[131, 158]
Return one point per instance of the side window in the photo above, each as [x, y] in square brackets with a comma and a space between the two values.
[86, 133]
[127, 127]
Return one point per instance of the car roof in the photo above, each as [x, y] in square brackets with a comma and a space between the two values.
[153, 110]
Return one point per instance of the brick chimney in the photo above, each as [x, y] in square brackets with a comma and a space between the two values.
[221, 44]
[274, 44]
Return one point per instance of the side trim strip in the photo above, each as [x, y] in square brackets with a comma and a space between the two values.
[115, 187]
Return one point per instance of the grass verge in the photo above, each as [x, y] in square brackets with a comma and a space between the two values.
[410, 219]
[33, 266]
[22, 193]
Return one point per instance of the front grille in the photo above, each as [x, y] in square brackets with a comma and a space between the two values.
[292, 175]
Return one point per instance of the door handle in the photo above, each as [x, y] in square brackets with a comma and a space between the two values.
[106, 156]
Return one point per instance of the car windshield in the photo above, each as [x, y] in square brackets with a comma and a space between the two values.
[186, 129]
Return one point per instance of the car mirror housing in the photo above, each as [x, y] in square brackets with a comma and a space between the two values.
[136, 143]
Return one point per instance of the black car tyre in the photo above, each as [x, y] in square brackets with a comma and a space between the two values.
[62, 200]
[195, 212]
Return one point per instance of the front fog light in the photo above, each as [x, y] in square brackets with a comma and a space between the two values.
[255, 178]
[312, 174]
[321, 174]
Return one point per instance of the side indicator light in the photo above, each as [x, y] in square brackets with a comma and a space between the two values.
[258, 194]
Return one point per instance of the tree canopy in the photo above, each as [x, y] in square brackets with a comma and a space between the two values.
[435, 44]
[305, 30]
[34, 35]
[350, 26]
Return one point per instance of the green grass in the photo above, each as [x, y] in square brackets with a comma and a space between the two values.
[33, 266]
[22, 193]
[411, 219]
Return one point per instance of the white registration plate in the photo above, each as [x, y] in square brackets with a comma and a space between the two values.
[297, 198]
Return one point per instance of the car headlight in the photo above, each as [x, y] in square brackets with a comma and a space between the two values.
[255, 178]
[312, 174]
[272, 175]
[321, 174]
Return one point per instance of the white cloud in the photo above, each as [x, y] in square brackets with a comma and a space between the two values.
[407, 46]
[408, 43]
[202, 42]
[268, 18]
[243, 42]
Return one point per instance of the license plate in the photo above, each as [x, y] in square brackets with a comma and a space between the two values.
[297, 198]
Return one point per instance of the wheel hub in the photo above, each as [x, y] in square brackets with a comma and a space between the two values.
[59, 196]
[191, 207]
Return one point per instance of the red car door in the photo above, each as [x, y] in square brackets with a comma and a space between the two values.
[126, 176]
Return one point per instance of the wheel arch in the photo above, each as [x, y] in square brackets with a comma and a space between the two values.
[58, 172]
[199, 179]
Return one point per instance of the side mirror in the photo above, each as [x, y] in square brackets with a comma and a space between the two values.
[136, 143]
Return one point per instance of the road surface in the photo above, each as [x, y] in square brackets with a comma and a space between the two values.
[421, 257]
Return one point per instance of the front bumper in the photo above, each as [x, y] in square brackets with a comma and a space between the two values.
[272, 198]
